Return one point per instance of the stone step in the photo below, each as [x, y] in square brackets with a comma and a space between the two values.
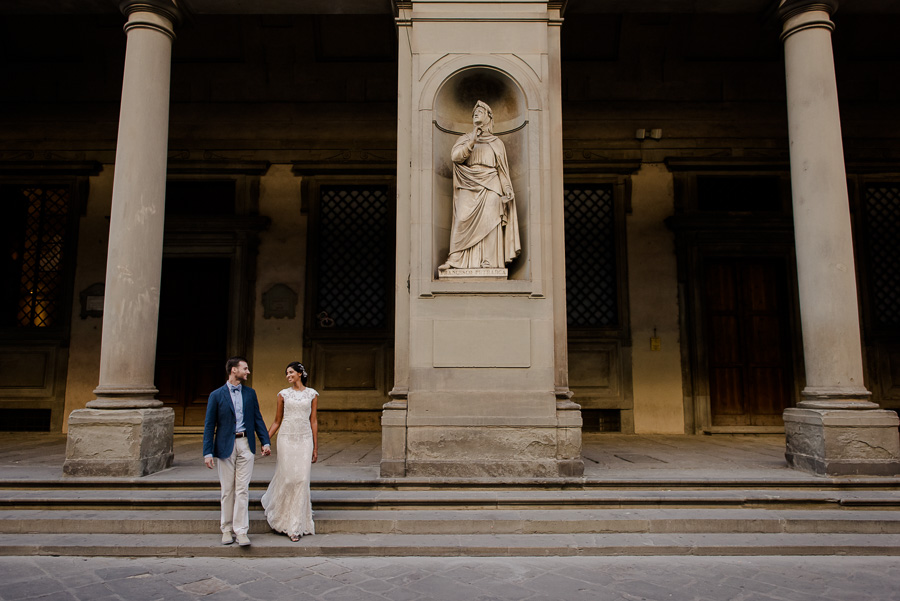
[468, 522]
[447, 545]
[459, 499]
[796, 481]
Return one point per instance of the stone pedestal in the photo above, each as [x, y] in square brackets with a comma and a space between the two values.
[123, 442]
[842, 441]
[478, 274]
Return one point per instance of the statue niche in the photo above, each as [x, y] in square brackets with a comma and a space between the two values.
[484, 234]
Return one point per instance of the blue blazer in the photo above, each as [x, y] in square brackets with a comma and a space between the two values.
[218, 432]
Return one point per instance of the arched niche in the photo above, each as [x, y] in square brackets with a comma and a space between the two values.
[452, 117]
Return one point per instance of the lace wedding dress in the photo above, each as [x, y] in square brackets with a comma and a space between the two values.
[287, 502]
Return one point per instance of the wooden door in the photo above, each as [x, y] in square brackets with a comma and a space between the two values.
[193, 333]
[747, 341]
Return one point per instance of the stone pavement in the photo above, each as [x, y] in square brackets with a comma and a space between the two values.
[437, 579]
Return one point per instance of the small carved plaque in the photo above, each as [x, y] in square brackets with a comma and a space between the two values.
[279, 301]
[92, 299]
[489, 273]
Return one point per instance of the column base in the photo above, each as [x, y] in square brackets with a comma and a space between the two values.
[568, 439]
[393, 439]
[842, 441]
[121, 443]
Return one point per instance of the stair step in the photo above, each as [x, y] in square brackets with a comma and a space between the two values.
[446, 545]
[795, 480]
[459, 499]
[596, 521]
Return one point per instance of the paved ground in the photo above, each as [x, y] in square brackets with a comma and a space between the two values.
[412, 579]
[354, 455]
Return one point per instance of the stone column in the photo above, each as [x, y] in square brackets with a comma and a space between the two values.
[568, 413]
[835, 429]
[395, 412]
[126, 431]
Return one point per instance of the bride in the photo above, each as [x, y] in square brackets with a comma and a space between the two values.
[286, 502]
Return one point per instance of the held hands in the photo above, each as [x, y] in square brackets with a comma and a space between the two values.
[266, 450]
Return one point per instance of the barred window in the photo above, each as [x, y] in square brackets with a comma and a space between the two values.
[354, 257]
[591, 267]
[882, 208]
[34, 261]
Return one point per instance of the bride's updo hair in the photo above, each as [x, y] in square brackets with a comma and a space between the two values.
[298, 367]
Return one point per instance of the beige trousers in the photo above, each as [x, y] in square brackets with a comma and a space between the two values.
[234, 476]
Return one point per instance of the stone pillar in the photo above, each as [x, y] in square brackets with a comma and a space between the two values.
[568, 413]
[835, 429]
[393, 419]
[126, 431]
[480, 384]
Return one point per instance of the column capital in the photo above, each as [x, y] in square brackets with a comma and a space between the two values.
[800, 15]
[791, 8]
[166, 8]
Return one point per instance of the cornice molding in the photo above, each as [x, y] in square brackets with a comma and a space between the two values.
[597, 161]
[349, 161]
[46, 168]
[727, 164]
[234, 167]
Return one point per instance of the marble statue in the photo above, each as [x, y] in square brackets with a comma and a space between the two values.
[485, 230]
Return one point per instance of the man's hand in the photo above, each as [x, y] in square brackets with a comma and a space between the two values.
[266, 450]
[209, 461]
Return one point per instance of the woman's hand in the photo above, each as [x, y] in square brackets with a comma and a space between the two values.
[315, 456]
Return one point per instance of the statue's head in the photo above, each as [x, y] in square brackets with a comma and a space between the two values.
[483, 117]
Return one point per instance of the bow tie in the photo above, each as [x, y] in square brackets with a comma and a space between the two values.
[235, 388]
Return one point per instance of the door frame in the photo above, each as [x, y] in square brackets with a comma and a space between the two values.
[228, 236]
[700, 235]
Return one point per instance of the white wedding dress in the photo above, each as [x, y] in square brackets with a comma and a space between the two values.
[287, 503]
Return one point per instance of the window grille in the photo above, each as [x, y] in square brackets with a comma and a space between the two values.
[354, 258]
[39, 254]
[882, 205]
[591, 267]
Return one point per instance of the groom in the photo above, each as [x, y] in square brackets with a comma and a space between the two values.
[232, 418]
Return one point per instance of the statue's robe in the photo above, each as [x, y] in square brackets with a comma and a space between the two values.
[485, 228]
